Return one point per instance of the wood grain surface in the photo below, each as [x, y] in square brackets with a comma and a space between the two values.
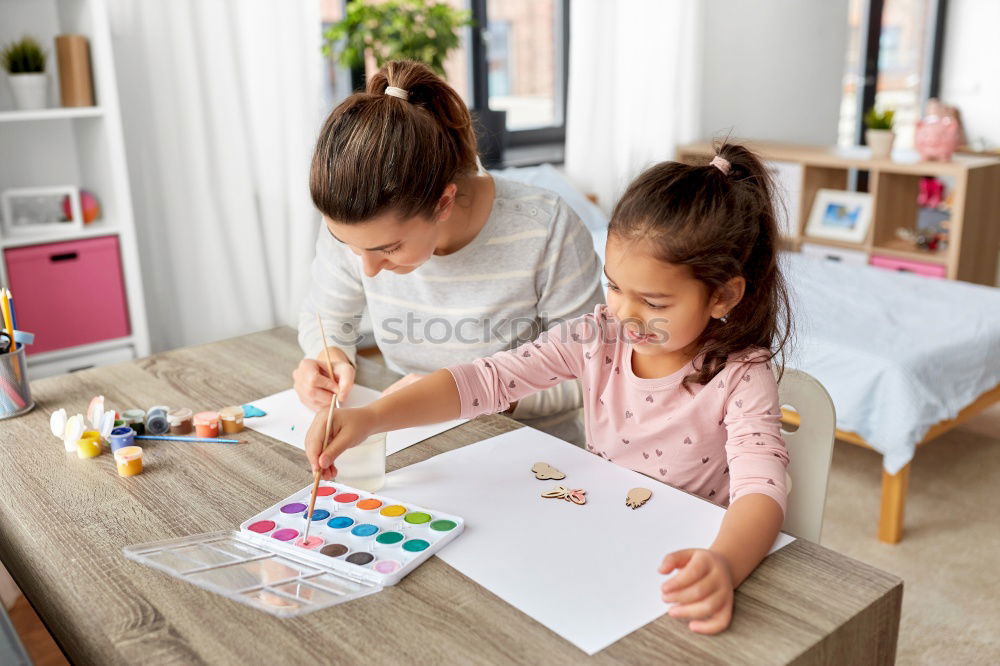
[64, 521]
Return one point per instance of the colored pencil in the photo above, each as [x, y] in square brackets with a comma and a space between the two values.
[7, 321]
[5, 294]
[180, 438]
[13, 312]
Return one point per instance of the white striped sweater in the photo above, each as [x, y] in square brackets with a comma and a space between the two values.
[532, 265]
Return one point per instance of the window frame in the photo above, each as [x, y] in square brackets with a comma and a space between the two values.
[868, 69]
[480, 76]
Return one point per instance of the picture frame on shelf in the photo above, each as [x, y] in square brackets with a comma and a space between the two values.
[31, 211]
[840, 215]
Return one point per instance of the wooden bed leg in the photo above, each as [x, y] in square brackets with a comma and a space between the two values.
[890, 524]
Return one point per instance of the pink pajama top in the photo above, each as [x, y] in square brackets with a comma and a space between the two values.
[720, 441]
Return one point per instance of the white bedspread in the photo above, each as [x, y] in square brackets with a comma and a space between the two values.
[897, 352]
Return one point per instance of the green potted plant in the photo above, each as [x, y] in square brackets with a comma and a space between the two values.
[24, 61]
[422, 30]
[879, 134]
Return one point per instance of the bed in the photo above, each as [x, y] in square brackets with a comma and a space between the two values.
[905, 358]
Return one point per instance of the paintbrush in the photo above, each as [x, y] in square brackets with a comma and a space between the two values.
[179, 438]
[334, 403]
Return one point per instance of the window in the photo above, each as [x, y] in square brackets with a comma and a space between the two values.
[893, 62]
[514, 59]
[519, 55]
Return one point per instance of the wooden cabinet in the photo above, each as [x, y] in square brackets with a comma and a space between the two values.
[974, 181]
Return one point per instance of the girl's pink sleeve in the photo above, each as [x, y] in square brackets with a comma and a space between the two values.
[490, 385]
[754, 448]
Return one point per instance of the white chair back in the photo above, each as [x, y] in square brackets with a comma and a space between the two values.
[810, 450]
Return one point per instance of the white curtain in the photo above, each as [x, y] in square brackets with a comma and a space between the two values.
[220, 102]
[633, 91]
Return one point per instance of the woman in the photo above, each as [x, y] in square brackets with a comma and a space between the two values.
[451, 263]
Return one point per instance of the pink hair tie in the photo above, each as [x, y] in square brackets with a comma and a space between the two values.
[721, 163]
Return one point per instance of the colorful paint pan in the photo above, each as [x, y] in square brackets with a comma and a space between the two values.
[319, 514]
[340, 522]
[365, 530]
[357, 533]
[267, 564]
[361, 558]
[386, 566]
[334, 549]
[389, 538]
[311, 543]
[415, 545]
[262, 526]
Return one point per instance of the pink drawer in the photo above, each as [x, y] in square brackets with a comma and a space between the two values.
[909, 266]
[68, 293]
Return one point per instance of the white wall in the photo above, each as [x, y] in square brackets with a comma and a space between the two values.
[772, 69]
[970, 70]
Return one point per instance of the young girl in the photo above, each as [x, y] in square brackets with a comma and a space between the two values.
[676, 368]
[450, 262]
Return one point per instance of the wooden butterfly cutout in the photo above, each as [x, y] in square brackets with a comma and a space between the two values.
[577, 496]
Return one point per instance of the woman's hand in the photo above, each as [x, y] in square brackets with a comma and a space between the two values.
[349, 428]
[702, 589]
[403, 383]
[315, 387]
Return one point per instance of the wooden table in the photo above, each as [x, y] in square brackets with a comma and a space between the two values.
[65, 521]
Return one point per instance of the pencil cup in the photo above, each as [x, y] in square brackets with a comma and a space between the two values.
[15, 394]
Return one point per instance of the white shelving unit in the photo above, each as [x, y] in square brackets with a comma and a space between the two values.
[80, 146]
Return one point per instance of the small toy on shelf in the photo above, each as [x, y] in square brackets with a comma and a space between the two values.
[938, 133]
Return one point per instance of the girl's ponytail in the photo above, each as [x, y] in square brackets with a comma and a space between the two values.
[718, 219]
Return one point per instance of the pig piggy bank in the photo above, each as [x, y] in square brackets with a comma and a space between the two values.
[938, 133]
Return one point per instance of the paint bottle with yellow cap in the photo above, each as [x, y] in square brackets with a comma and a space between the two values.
[89, 444]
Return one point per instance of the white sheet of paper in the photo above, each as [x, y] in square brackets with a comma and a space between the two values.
[587, 572]
[288, 420]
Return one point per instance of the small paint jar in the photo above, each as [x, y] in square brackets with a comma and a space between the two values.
[122, 437]
[206, 424]
[129, 460]
[156, 420]
[91, 434]
[87, 447]
[118, 423]
[135, 419]
[181, 421]
[232, 419]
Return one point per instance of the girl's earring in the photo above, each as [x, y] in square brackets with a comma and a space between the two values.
[724, 318]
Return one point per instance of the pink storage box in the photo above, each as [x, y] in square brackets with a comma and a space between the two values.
[69, 293]
[909, 266]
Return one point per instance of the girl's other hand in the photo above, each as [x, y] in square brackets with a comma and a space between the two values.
[702, 589]
[349, 428]
[315, 387]
[405, 381]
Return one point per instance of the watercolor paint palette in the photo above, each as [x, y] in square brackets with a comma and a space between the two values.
[358, 543]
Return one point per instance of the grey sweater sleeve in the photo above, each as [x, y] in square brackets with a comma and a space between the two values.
[568, 286]
[336, 293]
